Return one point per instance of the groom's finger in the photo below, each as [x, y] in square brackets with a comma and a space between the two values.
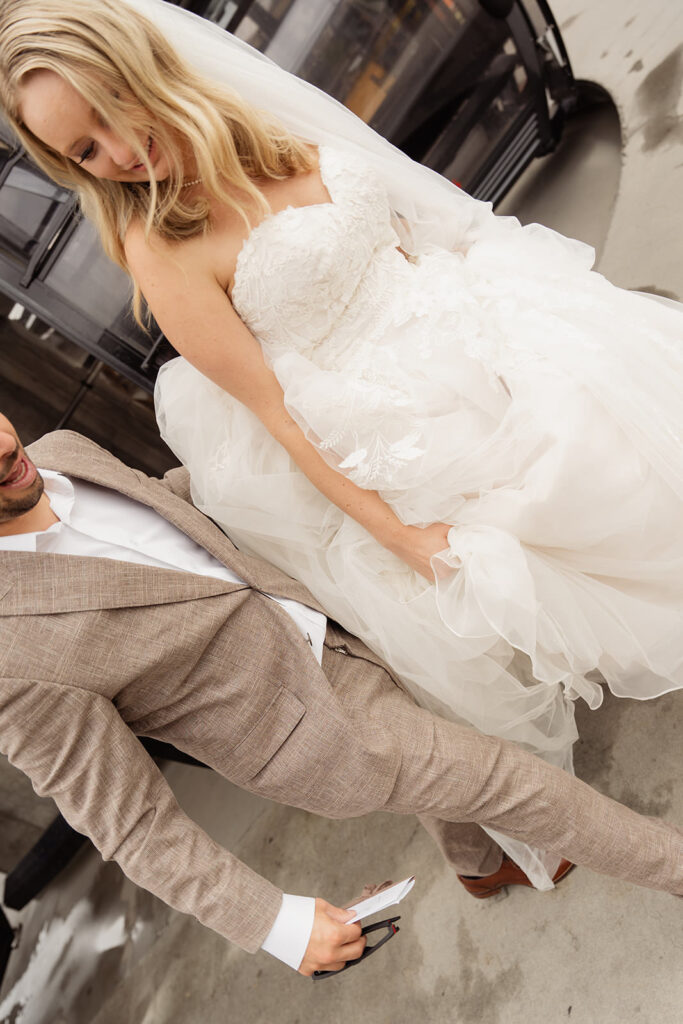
[352, 950]
[329, 937]
[336, 967]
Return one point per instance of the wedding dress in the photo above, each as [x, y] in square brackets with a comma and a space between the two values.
[462, 387]
[489, 380]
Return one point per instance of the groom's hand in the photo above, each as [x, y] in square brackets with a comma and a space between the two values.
[332, 941]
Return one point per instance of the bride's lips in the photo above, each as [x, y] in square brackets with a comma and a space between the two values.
[22, 474]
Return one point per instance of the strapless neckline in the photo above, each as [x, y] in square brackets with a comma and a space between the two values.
[277, 217]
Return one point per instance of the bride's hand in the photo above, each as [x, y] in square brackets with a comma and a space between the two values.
[417, 544]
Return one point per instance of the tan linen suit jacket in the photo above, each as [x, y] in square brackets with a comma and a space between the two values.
[95, 652]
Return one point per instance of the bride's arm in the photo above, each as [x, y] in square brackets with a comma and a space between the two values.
[197, 317]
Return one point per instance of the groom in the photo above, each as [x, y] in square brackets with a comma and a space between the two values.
[125, 612]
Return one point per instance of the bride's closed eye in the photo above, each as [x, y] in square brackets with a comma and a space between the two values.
[86, 154]
[90, 148]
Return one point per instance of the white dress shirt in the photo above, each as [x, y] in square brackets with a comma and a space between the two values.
[101, 523]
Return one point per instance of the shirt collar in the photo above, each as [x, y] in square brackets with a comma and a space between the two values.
[60, 494]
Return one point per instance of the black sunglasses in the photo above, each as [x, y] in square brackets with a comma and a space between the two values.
[392, 928]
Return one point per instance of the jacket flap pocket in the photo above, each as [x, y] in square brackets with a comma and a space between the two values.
[264, 740]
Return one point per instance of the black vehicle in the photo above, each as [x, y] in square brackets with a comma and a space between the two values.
[473, 88]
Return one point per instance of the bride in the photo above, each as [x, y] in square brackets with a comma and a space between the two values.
[463, 441]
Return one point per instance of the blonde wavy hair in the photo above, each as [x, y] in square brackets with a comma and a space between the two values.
[126, 69]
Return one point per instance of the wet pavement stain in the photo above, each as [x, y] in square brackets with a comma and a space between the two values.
[483, 998]
[15, 1015]
[593, 753]
[658, 97]
[656, 804]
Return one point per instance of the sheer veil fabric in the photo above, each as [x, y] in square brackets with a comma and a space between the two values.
[530, 611]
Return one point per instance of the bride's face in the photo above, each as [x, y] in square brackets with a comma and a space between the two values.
[60, 117]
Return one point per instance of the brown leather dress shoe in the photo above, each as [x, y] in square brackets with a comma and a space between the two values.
[507, 874]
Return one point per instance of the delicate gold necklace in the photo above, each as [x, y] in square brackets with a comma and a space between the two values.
[188, 184]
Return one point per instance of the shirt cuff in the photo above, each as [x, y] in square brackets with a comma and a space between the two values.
[289, 937]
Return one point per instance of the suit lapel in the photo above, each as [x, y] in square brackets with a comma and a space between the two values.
[69, 453]
[34, 582]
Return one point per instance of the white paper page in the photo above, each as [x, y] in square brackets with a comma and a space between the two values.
[386, 898]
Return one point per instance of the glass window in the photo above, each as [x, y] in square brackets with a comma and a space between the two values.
[8, 140]
[85, 276]
[413, 69]
[28, 202]
[459, 85]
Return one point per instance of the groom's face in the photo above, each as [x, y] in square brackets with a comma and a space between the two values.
[20, 483]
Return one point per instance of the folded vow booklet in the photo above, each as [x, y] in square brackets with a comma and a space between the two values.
[386, 898]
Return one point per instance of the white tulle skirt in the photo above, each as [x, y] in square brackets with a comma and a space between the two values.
[543, 420]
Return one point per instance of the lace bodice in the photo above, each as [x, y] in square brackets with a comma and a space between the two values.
[345, 320]
[378, 356]
[314, 275]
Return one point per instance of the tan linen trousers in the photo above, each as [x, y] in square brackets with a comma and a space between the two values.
[455, 780]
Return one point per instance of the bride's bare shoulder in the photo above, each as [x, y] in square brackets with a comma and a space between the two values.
[149, 252]
[141, 245]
